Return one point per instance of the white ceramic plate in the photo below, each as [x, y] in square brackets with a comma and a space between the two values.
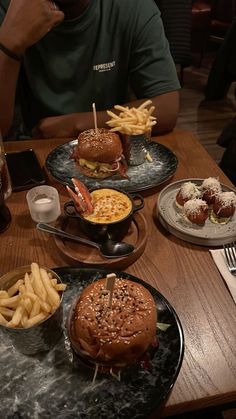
[172, 220]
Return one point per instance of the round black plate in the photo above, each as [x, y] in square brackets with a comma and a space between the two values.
[57, 385]
[147, 175]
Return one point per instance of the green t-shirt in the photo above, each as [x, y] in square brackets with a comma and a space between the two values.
[114, 44]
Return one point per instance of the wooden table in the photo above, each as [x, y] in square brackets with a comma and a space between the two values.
[184, 273]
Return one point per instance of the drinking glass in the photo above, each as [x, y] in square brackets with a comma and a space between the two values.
[5, 215]
[5, 190]
[5, 177]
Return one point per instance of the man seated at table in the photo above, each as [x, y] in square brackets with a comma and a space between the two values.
[56, 59]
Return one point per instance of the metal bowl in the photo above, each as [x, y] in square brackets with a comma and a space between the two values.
[40, 337]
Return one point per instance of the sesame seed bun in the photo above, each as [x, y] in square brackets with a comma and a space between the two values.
[103, 146]
[98, 154]
[116, 336]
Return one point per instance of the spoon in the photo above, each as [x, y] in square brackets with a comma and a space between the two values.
[109, 248]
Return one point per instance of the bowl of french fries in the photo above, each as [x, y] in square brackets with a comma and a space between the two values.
[31, 308]
[134, 126]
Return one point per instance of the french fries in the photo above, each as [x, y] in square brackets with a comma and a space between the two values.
[31, 299]
[132, 121]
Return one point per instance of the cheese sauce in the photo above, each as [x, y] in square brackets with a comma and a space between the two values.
[109, 206]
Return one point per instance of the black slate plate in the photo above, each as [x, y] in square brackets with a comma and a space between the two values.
[147, 175]
[56, 385]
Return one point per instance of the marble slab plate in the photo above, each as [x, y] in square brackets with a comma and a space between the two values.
[56, 385]
[171, 218]
[147, 175]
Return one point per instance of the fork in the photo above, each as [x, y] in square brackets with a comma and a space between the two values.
[230, 254]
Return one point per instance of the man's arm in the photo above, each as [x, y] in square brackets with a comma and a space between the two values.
[24, 24]
[166, 111]
[9, 70]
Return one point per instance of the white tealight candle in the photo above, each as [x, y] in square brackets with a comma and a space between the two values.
[44, 204]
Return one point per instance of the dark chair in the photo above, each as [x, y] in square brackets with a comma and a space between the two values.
[200, 23]
[176, 17]
[227, 139]
[222, 14]
[211, 19]
[223, 70]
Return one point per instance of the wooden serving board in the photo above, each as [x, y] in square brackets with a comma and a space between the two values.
[78, 253]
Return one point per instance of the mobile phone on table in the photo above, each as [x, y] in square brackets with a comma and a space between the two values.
[24, 169]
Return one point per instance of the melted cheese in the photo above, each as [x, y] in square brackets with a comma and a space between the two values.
[214, 219]
[109, 206]
[194, 206]
[190, 190]
[211, 183]
[226, 199]
[95, 165]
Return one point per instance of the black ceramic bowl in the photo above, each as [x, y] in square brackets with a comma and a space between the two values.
[100, 232]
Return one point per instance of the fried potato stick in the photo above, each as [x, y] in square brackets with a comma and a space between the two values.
[53, 296]
[3, 320]
[13, 290]
[36, 319]
[7, 312]
[37, 283]
[9, 302]
[4, 294]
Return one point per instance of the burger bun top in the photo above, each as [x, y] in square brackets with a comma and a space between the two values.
[103, 146]
[117, 336]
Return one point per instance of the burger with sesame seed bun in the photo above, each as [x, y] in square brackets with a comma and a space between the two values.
[98, 154]
[113, 335]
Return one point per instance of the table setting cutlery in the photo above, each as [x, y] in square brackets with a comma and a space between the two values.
[225, 260]
[230, 254]
[109, 248]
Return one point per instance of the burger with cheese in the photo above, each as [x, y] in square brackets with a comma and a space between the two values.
[99, 154]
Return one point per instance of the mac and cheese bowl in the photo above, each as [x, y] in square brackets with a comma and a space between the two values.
[112, 214]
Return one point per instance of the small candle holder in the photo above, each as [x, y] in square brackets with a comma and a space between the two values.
[43, 202]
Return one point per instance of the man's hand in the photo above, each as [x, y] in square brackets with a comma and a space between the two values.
[27, 21]
[68, 126]
[56, 127]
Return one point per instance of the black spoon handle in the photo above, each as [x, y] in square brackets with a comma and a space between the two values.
[53, 230]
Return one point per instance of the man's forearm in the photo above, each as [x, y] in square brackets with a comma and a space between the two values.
[70, 125]
[166, 112]
[9, 71]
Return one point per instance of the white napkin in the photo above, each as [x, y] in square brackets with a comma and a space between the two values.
[219, 259]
